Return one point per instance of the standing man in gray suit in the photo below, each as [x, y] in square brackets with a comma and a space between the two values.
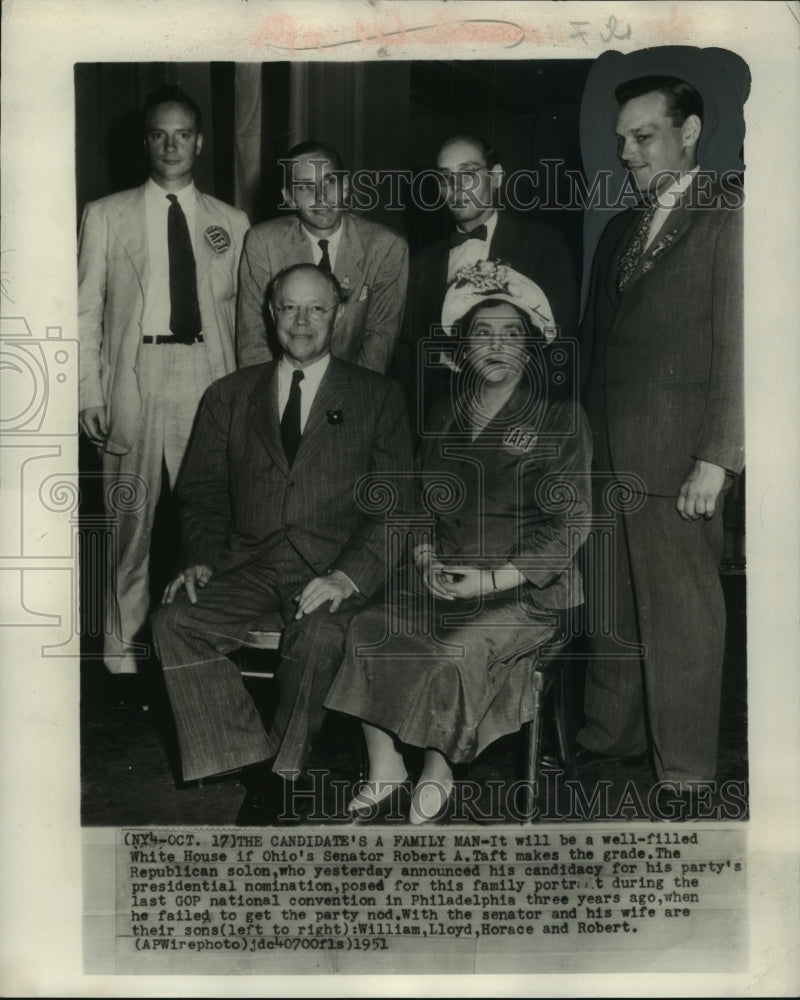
[271, 523]
[157, 273]
[662, 352]
[369, 261]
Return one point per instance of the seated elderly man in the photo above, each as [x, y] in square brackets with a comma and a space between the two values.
[270, 523]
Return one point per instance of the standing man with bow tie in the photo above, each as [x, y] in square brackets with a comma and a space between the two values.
[471, 176]
[369, 261]
[662, 354]
[271, 523]
[157, 275]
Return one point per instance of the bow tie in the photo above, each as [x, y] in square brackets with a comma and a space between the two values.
[478, 233]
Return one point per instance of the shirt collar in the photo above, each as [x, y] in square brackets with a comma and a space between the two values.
[671, 195]
[312, 374]
[333, 240]
[186, 195]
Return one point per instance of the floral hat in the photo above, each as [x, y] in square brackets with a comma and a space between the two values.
[490, 279]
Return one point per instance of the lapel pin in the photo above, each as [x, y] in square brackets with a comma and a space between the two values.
[217, 239]
[520, 439]
[334, 416]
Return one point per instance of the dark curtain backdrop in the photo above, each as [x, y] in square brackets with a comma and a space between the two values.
[110, 154]
[380, 115]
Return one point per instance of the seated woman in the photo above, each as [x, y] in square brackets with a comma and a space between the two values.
[445, 661]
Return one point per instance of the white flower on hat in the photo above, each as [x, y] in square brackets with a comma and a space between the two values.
[491, 279]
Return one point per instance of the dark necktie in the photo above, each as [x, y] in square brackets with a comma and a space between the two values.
[184, 313]
[478, 233]
[290, 421]
[635, 249]
[325, 262]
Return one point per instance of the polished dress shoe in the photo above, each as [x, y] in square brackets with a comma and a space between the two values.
[392, 806]
[268, 798]
[124, 691]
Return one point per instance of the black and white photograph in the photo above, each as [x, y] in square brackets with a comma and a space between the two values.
[399, 539]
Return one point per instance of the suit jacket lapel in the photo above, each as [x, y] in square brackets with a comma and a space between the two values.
[505, 244]
[350, 255]
[263, 413]
[130, 227]
[675, 226]
[295, 246]
[331, 395]
[203, 252]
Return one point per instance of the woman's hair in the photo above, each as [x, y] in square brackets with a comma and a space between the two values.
[464, 325]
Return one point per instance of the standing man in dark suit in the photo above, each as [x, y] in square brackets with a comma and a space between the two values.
[157, 274]
[472, 176]
[271, 523]
[369, 261]
[662, 351]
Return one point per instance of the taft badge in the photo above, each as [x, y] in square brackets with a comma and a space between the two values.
[217, 239]
[334, 416]
[518, 440]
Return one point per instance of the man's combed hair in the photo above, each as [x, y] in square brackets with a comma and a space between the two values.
[172, 94]
[681, 97]
[487, 150]
[322, 150]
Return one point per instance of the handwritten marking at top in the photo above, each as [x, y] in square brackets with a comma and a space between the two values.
[516, 36]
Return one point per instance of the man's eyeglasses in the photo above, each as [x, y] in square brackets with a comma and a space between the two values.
[289, 311]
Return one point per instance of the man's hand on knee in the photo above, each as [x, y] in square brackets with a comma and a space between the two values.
[699, 493]
[191, 578]
[335, 587]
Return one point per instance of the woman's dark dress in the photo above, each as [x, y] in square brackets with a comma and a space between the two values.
[453, 685]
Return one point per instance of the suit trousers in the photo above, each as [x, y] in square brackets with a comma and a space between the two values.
[668, 597]
[172, 379]
[219, 727]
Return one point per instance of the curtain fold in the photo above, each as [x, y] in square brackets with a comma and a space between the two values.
[248, 112]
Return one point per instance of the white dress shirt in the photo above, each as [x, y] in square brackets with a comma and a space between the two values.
[667, 200]
[316, 249]
[471, 251]
[155, 319]
[312, 376]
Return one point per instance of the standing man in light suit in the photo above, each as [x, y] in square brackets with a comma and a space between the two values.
[662, 354]
[271, 523]
[369, 261]
[157, 272]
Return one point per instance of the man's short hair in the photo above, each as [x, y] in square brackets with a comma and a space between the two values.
[172, 94]
[487, 150]
[322, 149]
[281, 276]
[681, 97]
